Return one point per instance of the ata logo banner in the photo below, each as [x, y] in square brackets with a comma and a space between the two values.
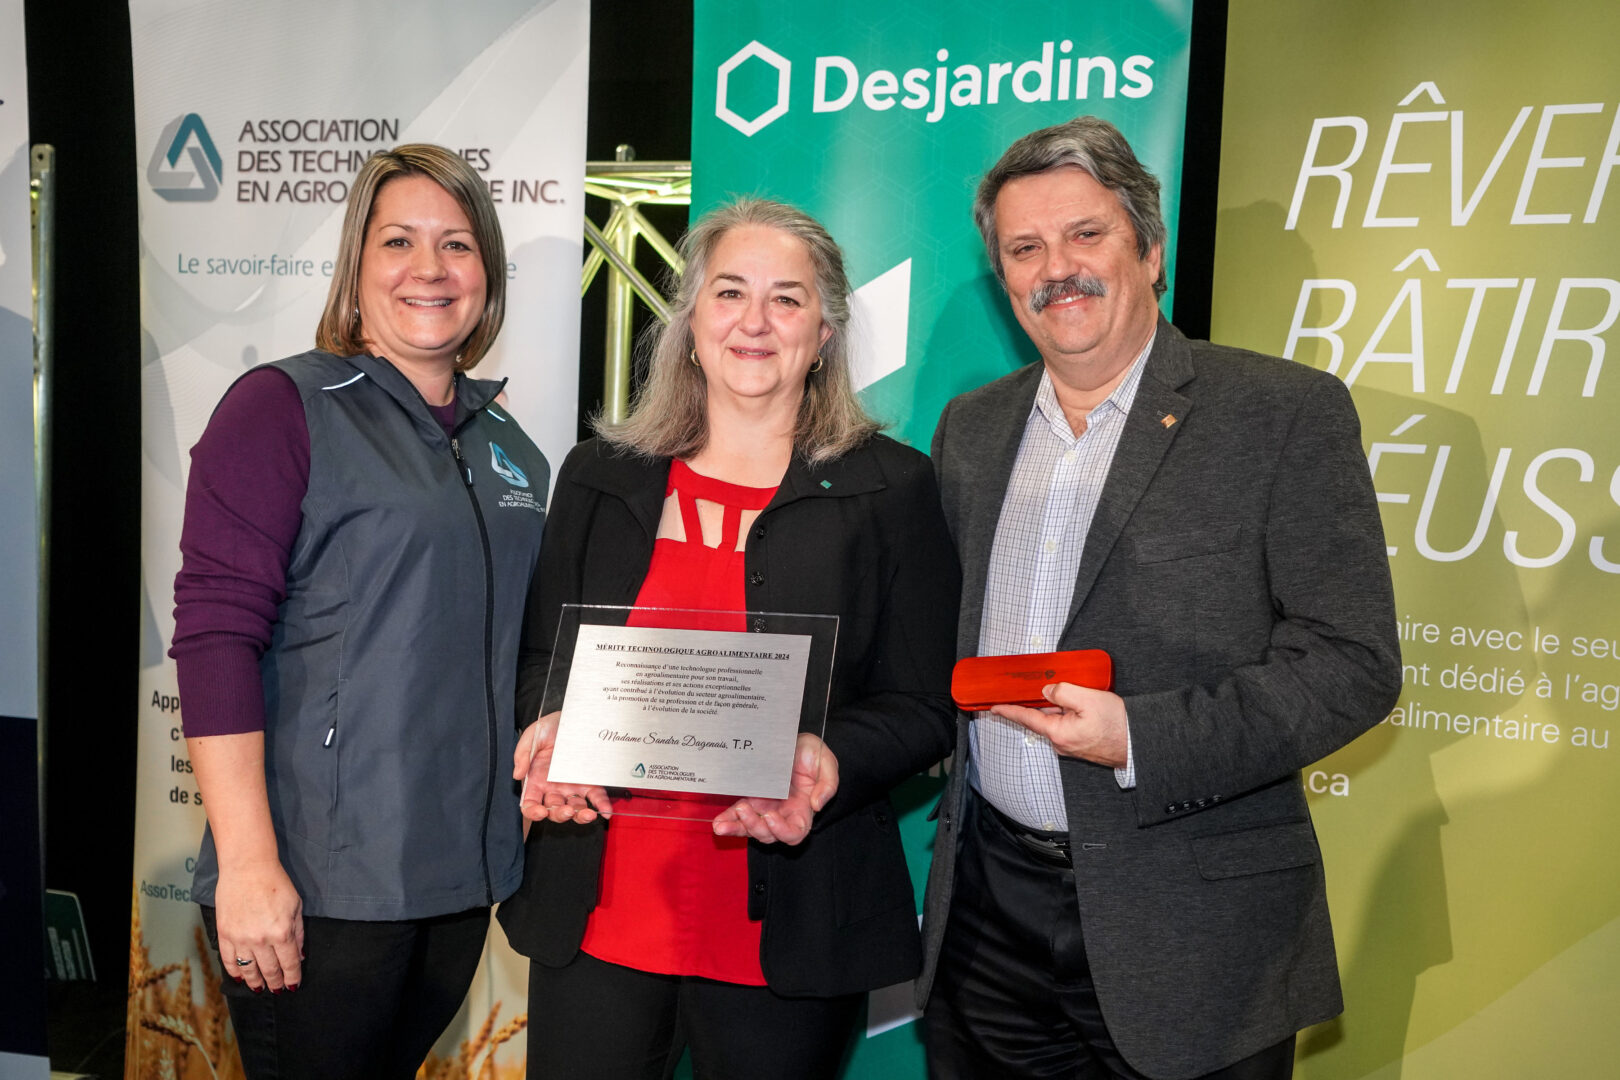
[185, 134]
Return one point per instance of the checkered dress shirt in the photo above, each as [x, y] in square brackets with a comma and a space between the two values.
[1045, 515]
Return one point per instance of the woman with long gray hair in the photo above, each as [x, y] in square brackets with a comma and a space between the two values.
[747, 478]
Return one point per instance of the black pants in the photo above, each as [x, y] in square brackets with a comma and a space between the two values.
[373, 998]
[602, 1021]
[1013, 996]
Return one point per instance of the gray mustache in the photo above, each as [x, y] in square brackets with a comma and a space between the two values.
[1077, 284]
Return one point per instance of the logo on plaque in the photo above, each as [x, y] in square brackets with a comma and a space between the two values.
[639, 771]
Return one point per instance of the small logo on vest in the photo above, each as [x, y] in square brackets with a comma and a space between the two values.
[506, 468]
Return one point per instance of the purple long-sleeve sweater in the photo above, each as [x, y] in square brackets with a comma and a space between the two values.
[249, 474]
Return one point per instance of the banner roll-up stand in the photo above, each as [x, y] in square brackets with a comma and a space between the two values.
[19, 536]
[22, 933]
[1422, 200]
[250, 124]
[882, 129]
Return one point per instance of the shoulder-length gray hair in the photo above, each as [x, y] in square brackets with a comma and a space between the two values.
[339, 330]
[669, 417]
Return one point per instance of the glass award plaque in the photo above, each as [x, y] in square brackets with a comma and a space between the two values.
[678, 712]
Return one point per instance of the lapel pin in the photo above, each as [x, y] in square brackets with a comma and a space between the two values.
[1169, 420]
[826, 483]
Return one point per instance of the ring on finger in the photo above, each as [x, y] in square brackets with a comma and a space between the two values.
[243, 963]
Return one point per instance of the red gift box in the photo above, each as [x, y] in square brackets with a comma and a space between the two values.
[979, 682]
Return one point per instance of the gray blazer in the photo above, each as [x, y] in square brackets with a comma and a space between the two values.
[1235, 570]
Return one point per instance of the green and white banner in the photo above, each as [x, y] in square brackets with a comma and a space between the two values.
[1418, 198]
[881, 123]
[251, 121]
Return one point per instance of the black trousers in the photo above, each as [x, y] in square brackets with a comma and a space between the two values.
[1013, 995]
[602, 1021]
[373, 998]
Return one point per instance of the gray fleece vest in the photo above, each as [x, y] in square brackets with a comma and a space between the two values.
[390, 675]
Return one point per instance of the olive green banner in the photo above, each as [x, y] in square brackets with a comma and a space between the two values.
[1417, 198]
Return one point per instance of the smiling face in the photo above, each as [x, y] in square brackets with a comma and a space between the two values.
[757, 324]
[421, 276]
[1077, 285]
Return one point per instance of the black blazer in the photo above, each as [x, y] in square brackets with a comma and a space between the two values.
[862, 538]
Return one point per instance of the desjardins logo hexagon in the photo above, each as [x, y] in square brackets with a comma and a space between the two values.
[739, 82]
[185, 134]
[751, 88]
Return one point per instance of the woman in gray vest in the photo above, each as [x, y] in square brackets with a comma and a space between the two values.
[747, 479]
[361, 524]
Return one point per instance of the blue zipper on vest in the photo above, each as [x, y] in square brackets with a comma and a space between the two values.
[489, 661]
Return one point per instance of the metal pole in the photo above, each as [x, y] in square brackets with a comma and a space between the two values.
[627, 185]
[616, 361]
[42, 206]
[593, 260]
[665, 249]
[604, 249]
[600, 251]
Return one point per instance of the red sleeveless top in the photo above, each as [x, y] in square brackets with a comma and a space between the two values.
[674, 897]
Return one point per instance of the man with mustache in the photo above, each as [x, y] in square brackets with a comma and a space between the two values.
[1127, 883]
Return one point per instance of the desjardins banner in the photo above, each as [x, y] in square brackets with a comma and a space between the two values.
[1418, 199]
[881, 125]
[882, 128]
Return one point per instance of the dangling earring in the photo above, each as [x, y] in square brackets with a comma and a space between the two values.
[818, 365]
[692, 356]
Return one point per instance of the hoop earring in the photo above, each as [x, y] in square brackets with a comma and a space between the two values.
[692, 356]
[818, 365]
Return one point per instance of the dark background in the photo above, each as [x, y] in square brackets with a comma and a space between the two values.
[81, 100]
